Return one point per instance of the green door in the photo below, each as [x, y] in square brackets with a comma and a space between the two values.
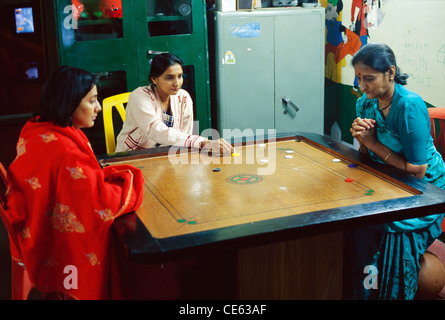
[98, 42]
[178, 27]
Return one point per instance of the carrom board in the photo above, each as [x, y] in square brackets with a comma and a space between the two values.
[192, 192]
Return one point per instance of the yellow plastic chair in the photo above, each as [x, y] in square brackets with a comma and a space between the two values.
[116, 101]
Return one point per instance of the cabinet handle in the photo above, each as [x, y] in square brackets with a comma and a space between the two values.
[154, 52]
[288, 102]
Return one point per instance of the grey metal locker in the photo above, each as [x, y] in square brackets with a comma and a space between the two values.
[269, 64]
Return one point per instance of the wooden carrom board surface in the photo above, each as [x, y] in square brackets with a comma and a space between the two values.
[183, 194]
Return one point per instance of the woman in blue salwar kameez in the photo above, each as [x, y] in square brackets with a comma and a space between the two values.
[393, 127]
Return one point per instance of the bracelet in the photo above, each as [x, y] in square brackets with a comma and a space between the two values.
[389, 155]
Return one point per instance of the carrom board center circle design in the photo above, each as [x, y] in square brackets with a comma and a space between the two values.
[244, 179]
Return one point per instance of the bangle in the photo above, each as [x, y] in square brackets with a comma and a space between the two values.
[389, 155]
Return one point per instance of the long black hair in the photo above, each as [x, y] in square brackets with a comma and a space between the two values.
[162, 62]
[380, 57]
[62, 94]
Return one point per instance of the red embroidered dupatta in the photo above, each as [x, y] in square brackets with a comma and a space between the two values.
[62, 204]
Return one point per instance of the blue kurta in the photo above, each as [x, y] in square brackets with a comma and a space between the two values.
[395, 249]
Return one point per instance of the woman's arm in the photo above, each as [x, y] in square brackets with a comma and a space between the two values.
[146, 113]
[364, 131]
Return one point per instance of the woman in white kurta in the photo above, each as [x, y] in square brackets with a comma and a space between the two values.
[162, 113]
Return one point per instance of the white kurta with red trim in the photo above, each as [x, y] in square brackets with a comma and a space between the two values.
[144, 126]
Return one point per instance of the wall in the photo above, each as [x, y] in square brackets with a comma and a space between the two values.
[413, 29]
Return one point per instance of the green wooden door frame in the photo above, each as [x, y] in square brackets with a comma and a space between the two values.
[102, 55]
[191, 48]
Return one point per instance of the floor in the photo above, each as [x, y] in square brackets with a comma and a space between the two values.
[8, 138]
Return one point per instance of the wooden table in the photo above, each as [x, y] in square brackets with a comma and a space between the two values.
[281, 205]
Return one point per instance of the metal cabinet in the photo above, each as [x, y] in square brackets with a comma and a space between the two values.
[269, 70]
[117, 39]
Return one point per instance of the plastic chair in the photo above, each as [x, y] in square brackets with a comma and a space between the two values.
[116, 101]
[20, 283]
[438, 135]
[438, 115]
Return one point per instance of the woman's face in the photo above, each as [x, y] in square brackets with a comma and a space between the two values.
[86, 113]
[170, 81]
[374, 83]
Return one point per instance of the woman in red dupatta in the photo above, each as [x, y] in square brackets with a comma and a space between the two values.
[60, 201]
